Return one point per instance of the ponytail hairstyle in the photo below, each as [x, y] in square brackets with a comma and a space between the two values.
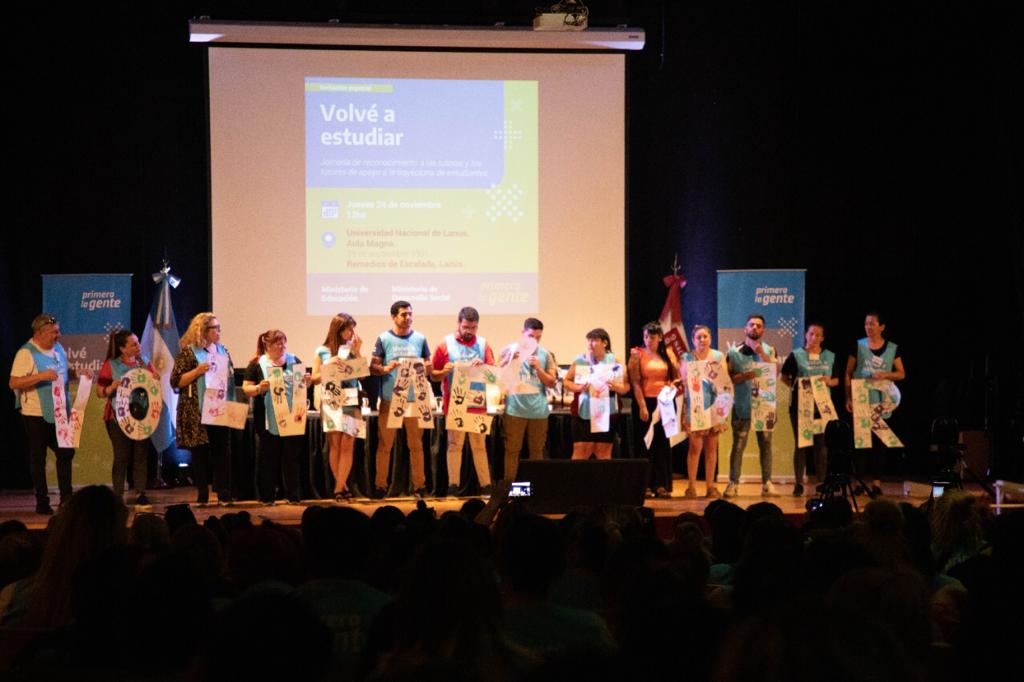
[265, 339]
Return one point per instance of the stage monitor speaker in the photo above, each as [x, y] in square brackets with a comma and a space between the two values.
[557, 486]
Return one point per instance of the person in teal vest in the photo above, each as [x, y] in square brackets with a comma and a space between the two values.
[703, 439]
[873, 358]
[809, 361]
[39, 363]
[585, 442]
[741, 370]
[463, 346]
[123, 354]
[206, 443]
[392, 345]
[341, 336]
[526, 415]
[276, 454]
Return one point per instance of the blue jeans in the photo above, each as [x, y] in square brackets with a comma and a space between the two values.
[740, 433]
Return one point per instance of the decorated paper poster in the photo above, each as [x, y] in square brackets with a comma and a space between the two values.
[216, 395]
[411, 373]
[218, 407]
[516, 370]
[667, 411]
[350, 368]
[868, 418]
[812, 392]
[714, 373]
[219, 411]
[467, 403]
[288, 386]
[762, 396]
[235, 414]
[597, 377]
[664, 412]
[69, 426]
[138, 403]
[672, 401]
[334, 397]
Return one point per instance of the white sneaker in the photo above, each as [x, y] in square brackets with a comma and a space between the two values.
[731, 490]
[768, 490]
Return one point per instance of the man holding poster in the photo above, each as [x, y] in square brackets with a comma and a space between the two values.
[746, 367]
[463, 347]
[526, 414]
[40, 371]
[394, 345]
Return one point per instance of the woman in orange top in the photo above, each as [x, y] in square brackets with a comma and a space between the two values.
[651, 370]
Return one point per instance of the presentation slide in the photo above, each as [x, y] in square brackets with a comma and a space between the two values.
[344, 180]
[407, 178]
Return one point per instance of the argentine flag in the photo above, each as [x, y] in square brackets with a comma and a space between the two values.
[160, 345]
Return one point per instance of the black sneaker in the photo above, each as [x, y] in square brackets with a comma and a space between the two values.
[44, 508]
[798, 490]
[420, 492]
[380, 493]
[453, 491]
[486, 491]
[141, 500]
[875, 492]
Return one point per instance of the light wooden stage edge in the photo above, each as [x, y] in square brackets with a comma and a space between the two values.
[21, 504]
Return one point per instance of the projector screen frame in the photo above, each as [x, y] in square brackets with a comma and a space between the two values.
[569, 44]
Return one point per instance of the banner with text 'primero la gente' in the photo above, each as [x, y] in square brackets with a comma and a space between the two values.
[778, 296]
[89, 309]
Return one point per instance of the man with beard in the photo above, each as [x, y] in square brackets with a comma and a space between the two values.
[463, 346]
[741, 371]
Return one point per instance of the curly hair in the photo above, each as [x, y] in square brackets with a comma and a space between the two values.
[195, 335]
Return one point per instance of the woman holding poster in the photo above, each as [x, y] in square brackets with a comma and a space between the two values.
[709, 390]
[274, 371]
[810, 361]
[202, 357]
[651, 370]
[597, 380]
[124, 355]
[342, 343]
[873, 357]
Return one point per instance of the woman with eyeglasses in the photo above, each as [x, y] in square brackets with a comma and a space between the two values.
[200, 345]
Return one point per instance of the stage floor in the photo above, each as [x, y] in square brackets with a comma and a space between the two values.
[21, 504]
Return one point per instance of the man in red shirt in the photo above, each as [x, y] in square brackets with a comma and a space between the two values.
[463, 346]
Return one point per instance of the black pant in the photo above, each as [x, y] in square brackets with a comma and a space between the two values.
[41, 435]
[278, 455]
[660, 452]
[125, 450]
[219, 450]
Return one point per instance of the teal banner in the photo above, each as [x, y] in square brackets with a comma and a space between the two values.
[776, 295]
[89, 308]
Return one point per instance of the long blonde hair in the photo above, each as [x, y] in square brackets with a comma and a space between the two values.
[195, 335]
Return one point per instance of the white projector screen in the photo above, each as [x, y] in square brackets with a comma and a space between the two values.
[343, 180]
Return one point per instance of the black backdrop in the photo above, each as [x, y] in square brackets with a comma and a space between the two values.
[876, 144]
